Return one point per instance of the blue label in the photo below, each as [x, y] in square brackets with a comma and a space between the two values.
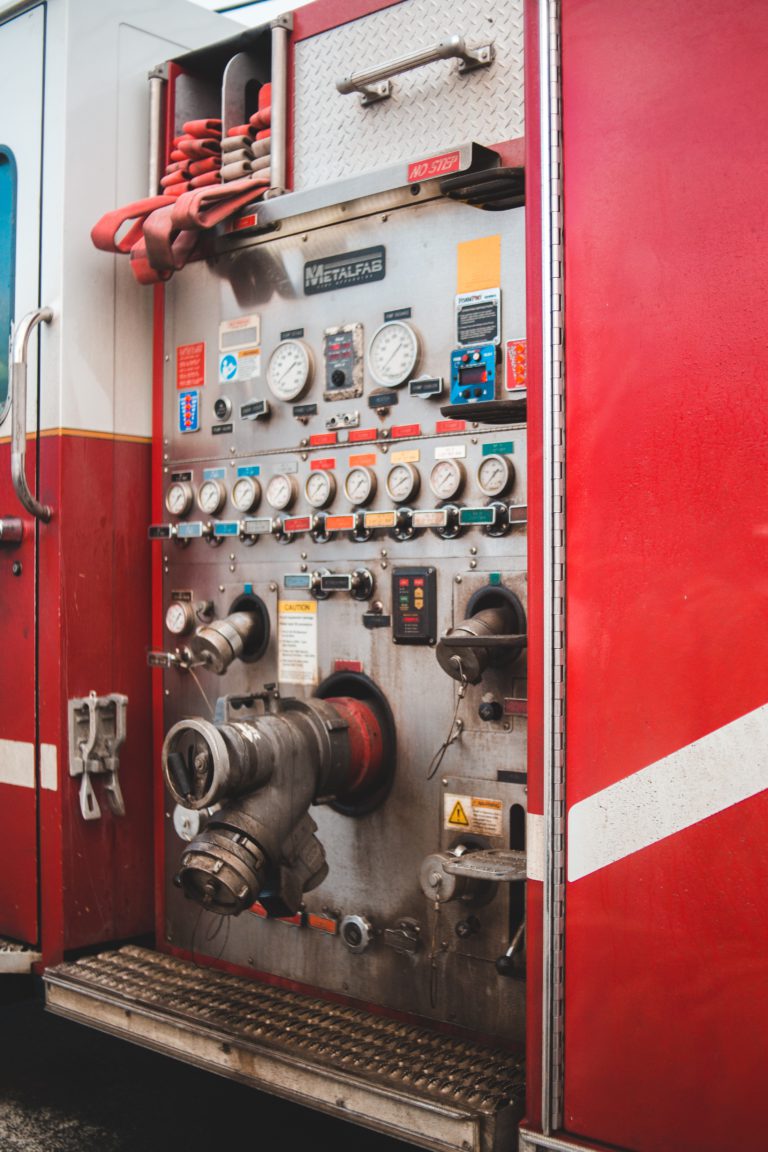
[189, 411]
[249, 470]
[228, 367]
[214, 473]
[297, 580]
[227, 528]
[189, 531]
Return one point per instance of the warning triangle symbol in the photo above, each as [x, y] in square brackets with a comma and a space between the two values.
[458, 815]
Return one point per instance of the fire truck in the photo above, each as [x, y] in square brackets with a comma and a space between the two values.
[383, 548]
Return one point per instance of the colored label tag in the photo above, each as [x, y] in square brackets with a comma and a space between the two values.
[434, 166]
[380, 519]
[244, 222]
[479, 814]
[258, 526]
[450, 426]
[361, 435]
[214, 473]
[324, 465]
[405, 431]
[248, 470]
[450, 451]
[226, 528]
[482, 516]
[189, 411]
[348, 666]
[397, 314]
[339, 523]
[254, 410]
[159, 532]
[406, 456]
[501, 448]
[430, 519]
[362, 460]
[517, 365]
[190, 365]
[320, 439]
[297, 642]
[192, 531]
[301, 580]
[242, 332]
[297, 524]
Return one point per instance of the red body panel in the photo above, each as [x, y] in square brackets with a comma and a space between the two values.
[665, 162]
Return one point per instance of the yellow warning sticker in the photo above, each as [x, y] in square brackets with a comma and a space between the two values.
[479, 814]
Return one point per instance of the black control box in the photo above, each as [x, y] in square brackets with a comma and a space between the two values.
[414, 605]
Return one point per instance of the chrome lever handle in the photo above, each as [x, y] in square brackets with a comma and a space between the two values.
[373, 84]
[18, 399]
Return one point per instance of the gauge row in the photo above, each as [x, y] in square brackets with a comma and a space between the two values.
[495, 476]
[394, 351]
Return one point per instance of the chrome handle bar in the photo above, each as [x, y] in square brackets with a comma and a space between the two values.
[18, 396]
[373, 84]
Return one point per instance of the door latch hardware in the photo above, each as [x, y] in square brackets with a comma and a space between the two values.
[96, 734]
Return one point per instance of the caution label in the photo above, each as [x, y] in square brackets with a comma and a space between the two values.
[478, 814]
[297, 642]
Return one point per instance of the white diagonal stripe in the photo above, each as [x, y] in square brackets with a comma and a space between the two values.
[715, 772]
[17, 763]
[49, 777]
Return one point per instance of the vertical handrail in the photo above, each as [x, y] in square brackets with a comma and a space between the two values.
[18, 399]
[278, 162]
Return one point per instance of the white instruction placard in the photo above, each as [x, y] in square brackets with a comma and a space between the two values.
[297, 642]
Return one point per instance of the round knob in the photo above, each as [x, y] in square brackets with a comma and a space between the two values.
[505, 966]
[490, 710]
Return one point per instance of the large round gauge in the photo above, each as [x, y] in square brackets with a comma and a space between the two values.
[447, 479]
[178, 498]
[179, 618]
[403, 483]
[246, 493]
[393, 354]
[495, 475]
[360, 485]
[210, 496]
[289, 370]
[320, 488]
[281, 491]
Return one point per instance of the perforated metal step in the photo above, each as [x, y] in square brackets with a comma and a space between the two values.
[399, 1078]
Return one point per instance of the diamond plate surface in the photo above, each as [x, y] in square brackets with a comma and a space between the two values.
[431, 108]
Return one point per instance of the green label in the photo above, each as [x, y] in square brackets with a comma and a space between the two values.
[506, 447]
[477, 516]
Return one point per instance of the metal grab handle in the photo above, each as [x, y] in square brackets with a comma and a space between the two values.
[373, 84]
[18, 396]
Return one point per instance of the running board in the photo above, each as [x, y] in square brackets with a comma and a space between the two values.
[16, 958]
[401, 1079]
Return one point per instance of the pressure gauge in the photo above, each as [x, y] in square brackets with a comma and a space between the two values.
[447, 479]
[393, 354]
[289, 370]
[246, 493]
[210, 496]
[360, 485]
[178, 498]
[281, 491]
[320, 488]
[403, 482]
[179, 618]
[495, 475]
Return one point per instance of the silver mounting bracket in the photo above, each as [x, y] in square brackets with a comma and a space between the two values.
[96, 734]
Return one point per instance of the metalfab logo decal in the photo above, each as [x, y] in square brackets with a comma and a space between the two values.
[346, 270]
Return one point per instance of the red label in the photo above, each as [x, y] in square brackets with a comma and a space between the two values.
[450, 426]
[259, 910]
[358, 435]
[347, 665]
[323, 465]
[514, 706]
[404, 431]
[190, 365]
[323, 923]
[297, 524]
[244, 222]
[320, 438]
[339, 523]
[517, 364]
[434, 166]
[363, 460]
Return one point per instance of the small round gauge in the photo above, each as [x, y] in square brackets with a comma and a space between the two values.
[179, 618]
[447, 479]
[211, 496]
[281, 491]
[320, 488]
[290, 369]
[178, 498]
[246, 493]
[495, 475]
[393, 353]
[403, 482]
[360, 485]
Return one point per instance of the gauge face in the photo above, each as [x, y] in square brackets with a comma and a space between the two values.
[211, 495]
[281, 491]
[403, 482]
[393, 353]
[178, 498]
[289, 370]
[447, 479]
[495, 475]
[360, 485]
[246, 493]
[320, 488]
[178, 618]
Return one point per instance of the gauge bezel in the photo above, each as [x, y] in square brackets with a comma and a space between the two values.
[508, 477]
[414, 486]
[292, 489]
[370, 491]
[330, 491]
[189, 497]
[222, 496]
[292, 393]
[460, 474]
[256, 493]
[387, 381]
[186, 612]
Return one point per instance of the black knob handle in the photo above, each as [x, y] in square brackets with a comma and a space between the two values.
[490, 710]
[505, 966]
